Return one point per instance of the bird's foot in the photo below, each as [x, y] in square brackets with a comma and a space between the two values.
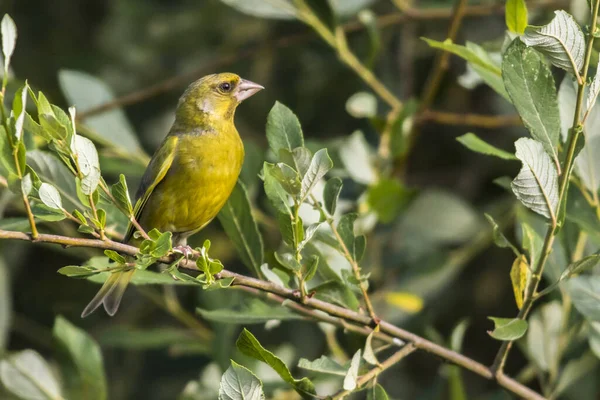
[186, 250]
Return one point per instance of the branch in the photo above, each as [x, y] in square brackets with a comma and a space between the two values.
[373, 373]
[575, 131]
[351, 320]
[476, 120]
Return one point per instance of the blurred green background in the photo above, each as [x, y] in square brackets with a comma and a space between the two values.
[437, 248]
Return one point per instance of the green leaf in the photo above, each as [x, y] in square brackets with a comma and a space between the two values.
[337, 293]
[75, 271]
[250, 346]
[120, 192]
[362, 105]
[355, 154]
[26, 185]
[585, 264]
[9, 40]
[45, 213]
[287, 177]
[240, 226]
[473, 143]
[283, 129]
[81, 361]
[536, 185]
[351, 378]
[52, 171]
[89, 165]
[530, 84]
[507, 328]
[162, 245]
[368, 352]
[355, 244]
[270, 275]
[19, 106]
[561, 41]
[377, 392]
[27, 375]
[311, 268]
[239, 383]
[131, 338]
[575, 370]
[86, 92]
[516, 16]
[387, 198]
[50, 196]
[116, 257]
[6, 157]
[499, 239]
[322, 365]
[478, 59]
[253, 312]
[275, 9]
[543, 336]
[585, 293]
[331, 193]
[319, 166]
[274, 191]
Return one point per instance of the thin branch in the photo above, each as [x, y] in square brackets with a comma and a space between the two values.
[475, 120]
[536, 275]
[373, 373]
[345, 316]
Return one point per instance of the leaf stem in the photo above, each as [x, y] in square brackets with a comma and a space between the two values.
[373, 373]
[575, 131]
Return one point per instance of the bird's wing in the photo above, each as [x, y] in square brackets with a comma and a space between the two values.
[156, 171]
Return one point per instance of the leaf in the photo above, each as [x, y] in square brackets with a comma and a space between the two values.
[6, 157]
[516, 16]
[536, 185]
[276, 9]
[561, 41]
[319, 166]
[52, 171]
[574, 371]
[86, 92]
[351, 378]
[530, 84]
[239, 224]
[356, 157]
[120, 192]
[337, 293]
[283, 129]
[593, 90]
[543, 336]
[311, 268]
[377, 392]
[131, 338]
[26, 185]
[478, 59]
[499, 239]
[19, 106]
[250, 346]
[368, 352]
[473, 143]
[253, 312]
[27, 375]
[405, 301]
[9, 40]
[585, 264]
[322, 365]
[89, 165]
[354, 244]
[239, 383]
[362, 105]
[81, 361]
[75, 271]
[50, 196]
[331, 193]
[585, 293]
[507, 328]
[388, 197]
[518, 278]
[278, 197]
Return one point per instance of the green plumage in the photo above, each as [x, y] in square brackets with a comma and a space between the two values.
[193, 172]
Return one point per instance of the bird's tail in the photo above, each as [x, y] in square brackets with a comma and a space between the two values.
[111, 293]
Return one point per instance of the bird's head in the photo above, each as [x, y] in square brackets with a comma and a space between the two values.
[214, 97]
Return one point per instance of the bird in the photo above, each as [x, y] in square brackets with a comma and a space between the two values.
[190, 176]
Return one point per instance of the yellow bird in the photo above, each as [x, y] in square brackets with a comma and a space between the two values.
[191, 175]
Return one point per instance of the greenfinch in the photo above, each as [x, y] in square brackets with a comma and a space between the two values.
[191, 175]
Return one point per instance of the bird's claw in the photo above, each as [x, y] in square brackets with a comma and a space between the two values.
[186, 250]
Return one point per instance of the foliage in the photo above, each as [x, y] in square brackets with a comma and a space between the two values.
[327, 230]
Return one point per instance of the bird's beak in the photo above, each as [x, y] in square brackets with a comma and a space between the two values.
[246, 89]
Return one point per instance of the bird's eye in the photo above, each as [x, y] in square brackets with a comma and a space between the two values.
[225, 86]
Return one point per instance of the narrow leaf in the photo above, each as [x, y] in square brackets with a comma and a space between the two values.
[518, 278]
[331, 193]
[9, 39]
[350, 381]
[536, 185]
[319, 166]
[530, 84]
[561, 41]
[239, 224]
[583, 265]
[516, 16]
[27, 375]
[120, 192]
[474, 143]
[322, 365]
[499, 239]
[254, 312]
